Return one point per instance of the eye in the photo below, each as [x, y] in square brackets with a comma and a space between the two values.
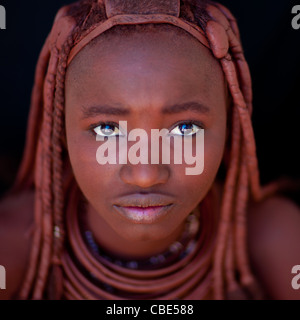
[186, 129]
[107, 130]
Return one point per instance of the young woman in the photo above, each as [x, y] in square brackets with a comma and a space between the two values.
[75, 228]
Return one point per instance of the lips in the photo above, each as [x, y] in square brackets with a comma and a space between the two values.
[144, 208]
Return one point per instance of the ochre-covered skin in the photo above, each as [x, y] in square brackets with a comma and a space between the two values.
[210, 273]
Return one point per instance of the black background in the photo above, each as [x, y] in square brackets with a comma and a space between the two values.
[272, 48]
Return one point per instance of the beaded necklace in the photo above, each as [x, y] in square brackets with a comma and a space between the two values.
[176, 251]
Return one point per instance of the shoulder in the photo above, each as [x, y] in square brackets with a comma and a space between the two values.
[16, 226]
[274, 244]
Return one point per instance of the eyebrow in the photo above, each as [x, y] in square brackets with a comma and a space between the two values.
[93, 111]
[187, 106]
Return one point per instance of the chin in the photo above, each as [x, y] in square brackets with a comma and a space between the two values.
[145, 233]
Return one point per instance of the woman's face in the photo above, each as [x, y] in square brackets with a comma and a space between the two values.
[151, 81]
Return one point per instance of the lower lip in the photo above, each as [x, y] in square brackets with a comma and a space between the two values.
[144, 215]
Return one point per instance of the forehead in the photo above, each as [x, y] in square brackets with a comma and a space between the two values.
[162, 40]
[161, 59]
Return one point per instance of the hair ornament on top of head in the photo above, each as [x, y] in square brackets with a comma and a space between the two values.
[130, 12]
[117, 7]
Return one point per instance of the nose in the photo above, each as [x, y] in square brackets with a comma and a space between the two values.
[145, 175]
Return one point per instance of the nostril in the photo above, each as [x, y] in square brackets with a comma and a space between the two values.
[144, 176]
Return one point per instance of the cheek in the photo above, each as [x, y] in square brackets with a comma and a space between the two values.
[89, 174]
[214, 149]
[194, 187]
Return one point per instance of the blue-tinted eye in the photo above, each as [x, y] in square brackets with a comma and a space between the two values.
[107, 130]
[186, 129]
